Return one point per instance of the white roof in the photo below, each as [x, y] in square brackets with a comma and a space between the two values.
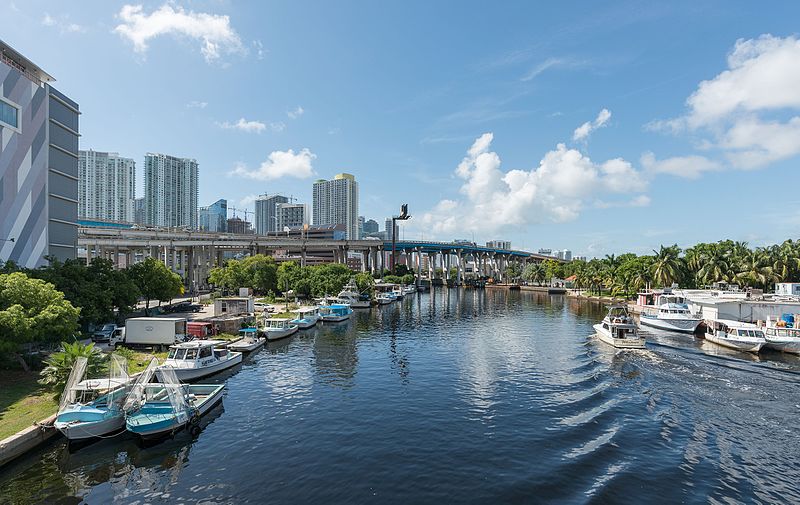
[730, 323]
[99, 384]
[306, 309]
[194, 344]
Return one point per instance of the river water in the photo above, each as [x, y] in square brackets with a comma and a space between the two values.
[461, 396]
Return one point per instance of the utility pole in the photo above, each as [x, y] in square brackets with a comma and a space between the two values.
[402, 217]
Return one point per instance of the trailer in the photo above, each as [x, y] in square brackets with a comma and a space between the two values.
[152, 331]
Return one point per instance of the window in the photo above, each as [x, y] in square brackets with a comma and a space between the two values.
[9, 114]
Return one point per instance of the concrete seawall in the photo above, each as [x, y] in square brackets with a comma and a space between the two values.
[31, 437]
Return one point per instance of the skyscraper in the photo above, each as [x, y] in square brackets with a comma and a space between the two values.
[388, 228]
[170, 191]
[371, 226]
[266, 217]
[292, 215]
[139, 213]
[361, 221]
[336, 202]
[215, 216]
[38, 164]
[106, 186]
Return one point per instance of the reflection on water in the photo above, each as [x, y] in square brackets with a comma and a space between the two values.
[481, 396]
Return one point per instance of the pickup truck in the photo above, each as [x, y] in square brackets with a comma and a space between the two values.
[104, 334]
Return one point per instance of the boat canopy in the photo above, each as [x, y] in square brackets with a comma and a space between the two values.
[75, 376]
[174, 389]
[135, 398]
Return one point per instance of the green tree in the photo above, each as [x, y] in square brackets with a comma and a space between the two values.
[667, 265]
[32, 311]
[365, 283]
[59, 364]
[155, 281]
[534, 272]
[513, 272]
[329, 279]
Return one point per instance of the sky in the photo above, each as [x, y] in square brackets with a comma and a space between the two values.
[599, 127]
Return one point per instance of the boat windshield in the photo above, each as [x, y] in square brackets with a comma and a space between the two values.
[176, 353]
[751, 333]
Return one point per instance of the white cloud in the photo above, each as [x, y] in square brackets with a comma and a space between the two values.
[556, 190]
[259, 48]
[278, 126]
[195, 104]
[583, 131]
[248, 200]
[244, 125]
[213, 31]
[551, 63]
[280, 164]
[689, 167]
[743, 111]
[296, 113]
[63, 24]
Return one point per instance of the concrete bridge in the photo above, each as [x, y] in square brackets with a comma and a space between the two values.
[193, 253]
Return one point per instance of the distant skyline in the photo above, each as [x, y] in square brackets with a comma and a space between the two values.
[595, 128]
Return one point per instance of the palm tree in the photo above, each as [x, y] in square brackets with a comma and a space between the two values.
[667, 265]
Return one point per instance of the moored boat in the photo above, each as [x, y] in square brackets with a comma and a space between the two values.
[306, 317]
[667, 311]
[350, 295]
[249, 341]
[783, 335]
[276, 328]
[384, 299]
[200, 358]
[335, 312]
[619, 329]
[92, 408]
[734, 334]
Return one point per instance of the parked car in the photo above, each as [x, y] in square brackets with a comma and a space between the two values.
[185, 306]
[104, 334]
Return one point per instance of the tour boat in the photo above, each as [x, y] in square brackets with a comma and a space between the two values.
[667, 311]
[306, 317]
[734, 334]
[619, 329]
[783, 335]
[249, 341]
[200, 358]
[157, 410]
[350, 296]
[276, 328]
[335, 313]
[92, 408]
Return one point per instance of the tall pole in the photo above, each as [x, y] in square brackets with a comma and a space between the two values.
[394, 242]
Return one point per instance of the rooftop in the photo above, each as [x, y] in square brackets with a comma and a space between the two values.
[29, 69]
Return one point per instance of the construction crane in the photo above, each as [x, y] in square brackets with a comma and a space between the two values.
[243, 211]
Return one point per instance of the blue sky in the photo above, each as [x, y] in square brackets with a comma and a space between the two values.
[598, 128]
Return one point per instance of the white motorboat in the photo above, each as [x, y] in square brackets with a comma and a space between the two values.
[384, 299]
[410, 289]
[667, 311]
[307, 317]
[782, 335]
[92, 408]
[276, 328]
[335, 313]
[249, 341]
[200, 358]
[735, 335]
[619, 329]
[156, 410]
[350, 296]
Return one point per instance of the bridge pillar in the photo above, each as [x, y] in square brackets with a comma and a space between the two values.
[460, 267]
[431, 267]
[447, 268]
[419, 267]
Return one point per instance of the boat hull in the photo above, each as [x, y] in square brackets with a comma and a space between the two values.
[304, 324]
[739, 345]
[281, 333]
[252, 347]
[84, 430]
[148, 430]
[783, 345]
[620, 343]
[681, 325]
[190, 374]
[335, 319]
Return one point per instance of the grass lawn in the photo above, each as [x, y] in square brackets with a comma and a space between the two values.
[23, 401]
[138, 361]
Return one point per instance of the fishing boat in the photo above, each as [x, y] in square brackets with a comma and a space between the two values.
[335, 313]
[734, 334]
[276, 328]
[619, 329]
[783, 335]
[200, 358]
[667, 311]
[249, 341]
[92, 408]
[351, 296]
[164, 408]
[307, 317]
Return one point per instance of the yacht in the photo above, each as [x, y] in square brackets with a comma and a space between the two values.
[200, 358]
[276, 328]
[782, 335]
[157, 410]
[249, 341]
[667, 311]
[335, 313]
[410, 289]
[352, 297]
[619, 329]
[92, 408]
[734, 334]
[307, 317]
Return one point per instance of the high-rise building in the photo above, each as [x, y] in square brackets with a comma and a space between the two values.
[546, 252]
[371, 226]
[336, 202]
[291, 215]
[388, 228]
[170, 191]
[361, 221]
[38, 164]
[215, 216]
[106, 186]
[567, 255]
[139, 214]
[239, 226]
[266, 213]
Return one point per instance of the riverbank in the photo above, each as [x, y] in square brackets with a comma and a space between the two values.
[573, 293]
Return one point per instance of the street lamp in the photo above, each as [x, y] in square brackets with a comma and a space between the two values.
[402, 217]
